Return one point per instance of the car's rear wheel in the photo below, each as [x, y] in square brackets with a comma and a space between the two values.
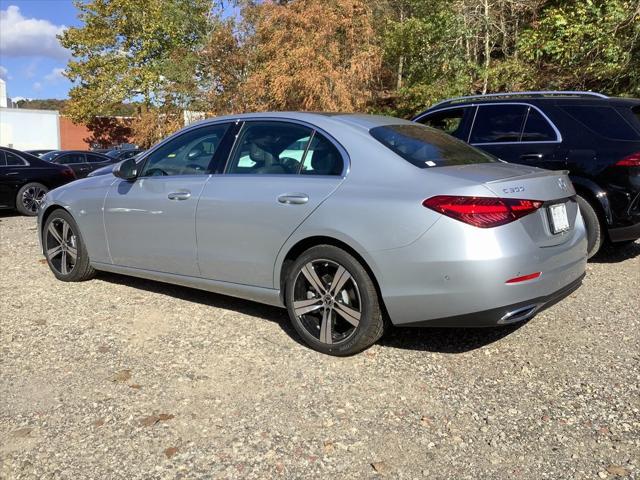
[30, 197]
[65, 249]
[332, 301]
[595, 233]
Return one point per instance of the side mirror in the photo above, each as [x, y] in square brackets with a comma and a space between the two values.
[127, 170]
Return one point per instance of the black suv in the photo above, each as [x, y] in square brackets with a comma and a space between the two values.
[595, 137]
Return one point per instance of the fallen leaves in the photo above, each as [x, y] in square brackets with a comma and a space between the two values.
[151, 420]
[99, 422]
[171, 451]
[618, 471]
[381, 467]
[121, 377]
[21, 432]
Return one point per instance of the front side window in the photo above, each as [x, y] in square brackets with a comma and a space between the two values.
[537, 128]
[498, 123]
[449, 121]
[425, 147]
[271, 148]
[188, 154]
[71, 158]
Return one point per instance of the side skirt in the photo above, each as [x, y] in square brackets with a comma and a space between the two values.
[257, 294]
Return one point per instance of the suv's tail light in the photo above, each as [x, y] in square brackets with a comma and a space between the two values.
[69, 173]
[632, 160]
[483, 212]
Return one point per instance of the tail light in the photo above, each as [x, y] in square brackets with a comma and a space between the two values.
[483, 212]
[68, 173]
[632, 160]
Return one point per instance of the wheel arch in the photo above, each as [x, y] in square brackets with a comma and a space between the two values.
[304, 244]
[596, 196]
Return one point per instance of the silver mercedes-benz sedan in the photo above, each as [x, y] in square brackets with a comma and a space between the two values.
[348, 221]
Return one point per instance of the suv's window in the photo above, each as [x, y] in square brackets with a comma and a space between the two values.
[70, 158]
[425, 147]
[3, 162]
[188, 154]
[323, 158]
[498, 123]
[274, 148]
[96, 158]
[13, 160]
[537, 128]
[636, 111]
[449, 121]
[602, 120]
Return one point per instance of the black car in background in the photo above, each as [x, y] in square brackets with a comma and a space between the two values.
[595, 137]
[123, 154]
[25, 179]
[39, 153]
[81, 162]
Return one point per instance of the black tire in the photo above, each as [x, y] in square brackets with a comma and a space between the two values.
[72, 270]
[356, 299]
[29, 197]
[595, 234]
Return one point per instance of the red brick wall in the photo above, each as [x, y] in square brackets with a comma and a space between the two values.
[72, 135]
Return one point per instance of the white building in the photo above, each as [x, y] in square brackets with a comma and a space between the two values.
[3, 94]
[25, 129]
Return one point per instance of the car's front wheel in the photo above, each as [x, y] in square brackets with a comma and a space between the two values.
[29, 198]
[332, 301]
[65, 249]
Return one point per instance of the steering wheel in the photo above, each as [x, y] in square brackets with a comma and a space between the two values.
[156, 172]
[290, 164]
[193, 167]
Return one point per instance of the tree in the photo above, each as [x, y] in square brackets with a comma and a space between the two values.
[130, 50]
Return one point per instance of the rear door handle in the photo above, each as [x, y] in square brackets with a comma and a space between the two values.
[293, 198]
[531, 156]
[179, 195]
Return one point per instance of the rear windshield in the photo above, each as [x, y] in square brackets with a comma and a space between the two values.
[426, 147]
[604, 121]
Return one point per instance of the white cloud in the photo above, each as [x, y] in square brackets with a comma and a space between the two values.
[4, 73]
[55, 75]
[28, 37]
[37, 87]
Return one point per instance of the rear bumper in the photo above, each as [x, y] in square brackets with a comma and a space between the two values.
[507, 315]
[621, 234]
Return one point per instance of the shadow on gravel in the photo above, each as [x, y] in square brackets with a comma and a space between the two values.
[9, 213]
[617, 253]
[246, 307]
[446, 340]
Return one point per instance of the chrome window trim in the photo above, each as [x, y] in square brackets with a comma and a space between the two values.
[489, 104]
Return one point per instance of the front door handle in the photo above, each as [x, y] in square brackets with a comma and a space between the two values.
[293, 198]
[531, 156]
[179, 195]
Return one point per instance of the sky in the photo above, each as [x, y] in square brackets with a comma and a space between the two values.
[31, 58]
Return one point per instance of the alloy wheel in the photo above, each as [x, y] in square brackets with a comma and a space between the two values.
[32, 198]
[61, 246]
[326, 301]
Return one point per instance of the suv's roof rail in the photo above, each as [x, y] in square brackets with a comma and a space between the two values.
[541, 93]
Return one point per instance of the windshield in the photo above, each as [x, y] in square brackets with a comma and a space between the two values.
[113, 153]
[426, 147]
[51, 156]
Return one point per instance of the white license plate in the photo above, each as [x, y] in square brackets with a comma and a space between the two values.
[559, 219]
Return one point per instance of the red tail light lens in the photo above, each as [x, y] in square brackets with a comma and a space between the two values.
[482, 212]
[632, 160]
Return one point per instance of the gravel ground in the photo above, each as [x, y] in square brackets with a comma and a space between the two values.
[125, 378]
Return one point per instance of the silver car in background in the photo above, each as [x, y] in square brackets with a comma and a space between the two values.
[346, 220]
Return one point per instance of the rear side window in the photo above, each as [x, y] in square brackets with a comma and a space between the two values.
[636, 111]
[71, 159]
[322, 158]
[96, 158]
[604, 121]
[537, 128]
[3, 162]
[14, 160]
[498, 123]
[449, 121]
[425, 147]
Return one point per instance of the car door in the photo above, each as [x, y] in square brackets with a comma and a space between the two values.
[277, 174]
[6, 184]
[14, 172]
[76, 161]
[150, 222]
[517, 133]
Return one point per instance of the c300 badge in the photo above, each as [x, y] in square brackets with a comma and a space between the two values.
[513, 189]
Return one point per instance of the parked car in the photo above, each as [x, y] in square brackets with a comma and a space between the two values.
[123, 154]
[39, 153]
[25, 179]
[80, 161]
[343, 219]
[595, 137]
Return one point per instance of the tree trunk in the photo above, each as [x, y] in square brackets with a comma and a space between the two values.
[487, 46]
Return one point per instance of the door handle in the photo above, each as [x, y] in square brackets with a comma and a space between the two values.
[179, 195]
[293, 198]
[531, 156]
